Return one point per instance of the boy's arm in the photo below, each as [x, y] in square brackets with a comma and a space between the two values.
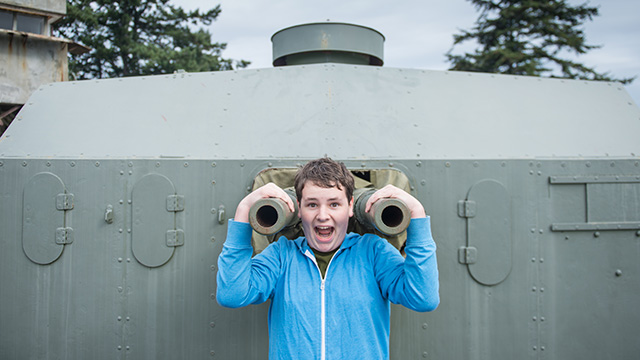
[243, 280]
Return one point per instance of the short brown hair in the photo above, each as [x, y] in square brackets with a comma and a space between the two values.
[325, 173]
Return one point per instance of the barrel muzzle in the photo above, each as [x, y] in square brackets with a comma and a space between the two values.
[388, 215]
[269, 216]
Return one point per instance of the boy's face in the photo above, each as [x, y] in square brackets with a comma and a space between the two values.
[325, 214]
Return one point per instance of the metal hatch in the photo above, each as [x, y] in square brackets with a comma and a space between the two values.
[154, 235]
[488, 250]
[45, 204]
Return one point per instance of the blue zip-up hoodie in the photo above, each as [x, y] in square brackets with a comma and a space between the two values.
[346, 314]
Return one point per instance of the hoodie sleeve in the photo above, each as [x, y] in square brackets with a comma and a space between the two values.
[413, 281]
[243, 280]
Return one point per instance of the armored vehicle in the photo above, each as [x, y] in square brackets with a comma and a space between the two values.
[114, 198]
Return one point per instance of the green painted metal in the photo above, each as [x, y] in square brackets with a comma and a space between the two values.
[559, 160]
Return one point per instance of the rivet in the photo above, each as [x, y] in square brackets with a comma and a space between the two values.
[128, 260]
[130, 164]
[97, 163]
[130, 172]
[447, 164]
[534, 289]
[120, 230]
[539, 173]
[158, 164]
[1, 163]
[424, 326]
[535, 348]
[596, 234]
[212, 324]
[129, 230]
[533, 259]
[503, 164]
[119, 259]
[541, 348]
[213, 211]
[213, 268]
[121, 201]
[212, 353]
[24, 163]
[127, 347]
[541, 260]
[530, 172]
[48, 163]
[424, 354]
[541, 231]
[535, 318]
[363, 165]
[390, 164]
[542, 318]
[213, 164]
[638, 233]
[127, 318]
[419, 163]
[213, 239]
[541, 289]
[119, 288]
[119, 318]
[121, 172]
[423, 182]
[241, 164]
[533, 230]
[119, 347]
[476, 164]
[186, 164]
[129, 201]
[213, 182]
[588, 164]
[618, 272]
[213, 296]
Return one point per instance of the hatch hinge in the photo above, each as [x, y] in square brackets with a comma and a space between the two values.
[467, 255]
[64, 236]
[466, 208]
[64, 201]
[175, 203]
[175, 238]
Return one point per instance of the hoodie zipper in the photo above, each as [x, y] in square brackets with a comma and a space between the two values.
[322, 302]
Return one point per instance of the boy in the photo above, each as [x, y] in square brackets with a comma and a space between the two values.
[330, 291]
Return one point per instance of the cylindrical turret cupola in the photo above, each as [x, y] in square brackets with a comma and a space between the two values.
[328, 42]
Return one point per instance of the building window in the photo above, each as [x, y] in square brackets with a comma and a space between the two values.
[34, 24]
[30, 23]
[6, 20]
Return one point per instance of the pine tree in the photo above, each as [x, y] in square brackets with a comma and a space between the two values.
[140, 37]
[528, 37]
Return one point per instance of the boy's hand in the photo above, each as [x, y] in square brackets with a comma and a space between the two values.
[390, 191]
[269, 190]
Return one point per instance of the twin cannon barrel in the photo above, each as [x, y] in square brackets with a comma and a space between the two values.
[389, 216]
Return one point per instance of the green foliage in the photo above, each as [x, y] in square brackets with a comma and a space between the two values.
[528, 37]
[140, 37]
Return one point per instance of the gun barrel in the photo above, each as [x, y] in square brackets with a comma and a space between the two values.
[269, 216]
[388, 215]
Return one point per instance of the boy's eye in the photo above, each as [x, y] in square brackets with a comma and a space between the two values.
[311, 205]
[335, 204]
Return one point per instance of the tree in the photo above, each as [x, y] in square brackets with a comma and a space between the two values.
[140, 37]
[528, 37]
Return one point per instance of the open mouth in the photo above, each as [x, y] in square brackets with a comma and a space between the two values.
[324, 233]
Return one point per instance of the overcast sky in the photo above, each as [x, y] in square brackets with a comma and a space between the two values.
[418, 32]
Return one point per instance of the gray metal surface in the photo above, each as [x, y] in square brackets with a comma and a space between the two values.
[438, 115]
[533, 187]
